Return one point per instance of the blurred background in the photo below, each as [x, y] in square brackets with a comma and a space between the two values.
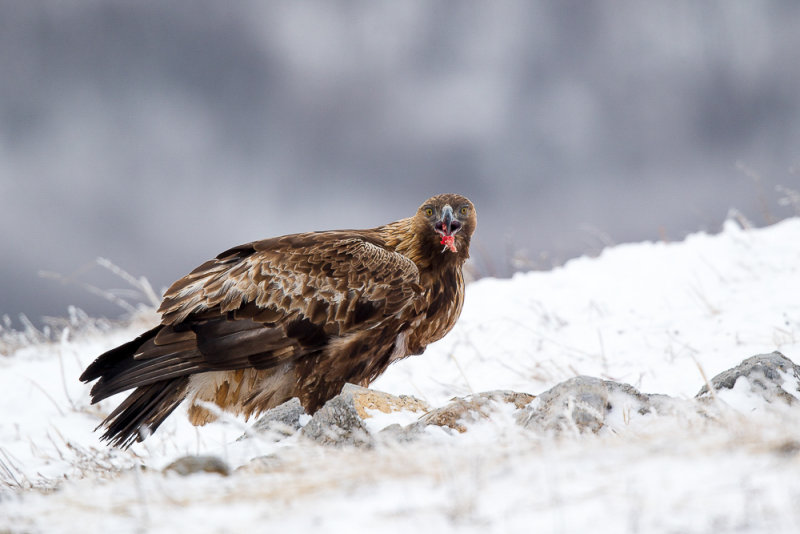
[157, 134]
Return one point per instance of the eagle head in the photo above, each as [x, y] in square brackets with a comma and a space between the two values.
[449, 220]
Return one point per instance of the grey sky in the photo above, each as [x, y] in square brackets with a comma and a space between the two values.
[157, 134]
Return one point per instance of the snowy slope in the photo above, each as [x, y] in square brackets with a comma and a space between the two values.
[656, 315]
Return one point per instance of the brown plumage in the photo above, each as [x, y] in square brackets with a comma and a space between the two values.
[292, 316]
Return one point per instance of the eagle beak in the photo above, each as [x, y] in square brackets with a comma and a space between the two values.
[447, 227]
[448, 224]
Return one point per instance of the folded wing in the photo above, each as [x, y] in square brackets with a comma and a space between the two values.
[259, 306]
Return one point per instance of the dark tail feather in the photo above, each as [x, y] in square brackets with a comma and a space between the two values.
[116, 360]
[143, 411]
[147, 406]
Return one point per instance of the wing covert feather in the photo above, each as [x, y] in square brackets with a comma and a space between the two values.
[272, 301]
[321, 279]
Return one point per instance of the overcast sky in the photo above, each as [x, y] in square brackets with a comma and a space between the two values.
[157, 134]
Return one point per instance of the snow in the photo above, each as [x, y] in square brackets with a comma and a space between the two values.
[663, 317]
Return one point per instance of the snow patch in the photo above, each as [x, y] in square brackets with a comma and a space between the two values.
[659, 316]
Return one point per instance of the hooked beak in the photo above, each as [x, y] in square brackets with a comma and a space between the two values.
[448, 224]
[447, 227]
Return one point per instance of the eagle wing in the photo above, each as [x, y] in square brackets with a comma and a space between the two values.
[264, 304]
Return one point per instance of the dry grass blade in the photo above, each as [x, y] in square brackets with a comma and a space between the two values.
[791, 198]
[141, 283]
[7, 468]
[711, 390]
[140, 298]
[103, 293]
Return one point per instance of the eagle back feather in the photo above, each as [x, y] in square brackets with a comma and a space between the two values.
[321, 275]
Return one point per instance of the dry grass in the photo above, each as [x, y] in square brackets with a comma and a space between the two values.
[138, 301]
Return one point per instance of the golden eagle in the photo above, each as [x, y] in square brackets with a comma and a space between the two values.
[292, 316]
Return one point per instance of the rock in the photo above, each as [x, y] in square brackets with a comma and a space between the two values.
[341, 420]
[401, 434]
[454, 414]
[666, 405]
[457, 414]
[281, 421]
[582, 403]
[789, 447]
[767, 375]
[369, 399]
[338, 423]
[470, 409]
[519, 400]
[262, 464]
[188, 465]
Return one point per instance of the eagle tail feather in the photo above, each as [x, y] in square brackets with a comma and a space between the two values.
[143, 411]
[110, 362]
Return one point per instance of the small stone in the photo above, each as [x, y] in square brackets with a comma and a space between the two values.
[369, 399]
[456, 414]
[262, 464]
[341, 420]
[581, 403]
[188, 465]
[338, 423]
[401, 434]
[788, 448]
[766, 374]
[461, 411]
[279, 422]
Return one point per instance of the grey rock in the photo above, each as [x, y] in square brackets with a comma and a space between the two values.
[188, 465]
[581, 403]
[338, 423]
[765, 373]
[279, 422]
[262, 464]
[341, 420]
[666, 405]
[402, 434]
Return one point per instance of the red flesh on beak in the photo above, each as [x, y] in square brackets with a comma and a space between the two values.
[447, 227]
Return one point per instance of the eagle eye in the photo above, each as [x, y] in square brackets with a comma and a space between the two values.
[464, 210]
[428, 211]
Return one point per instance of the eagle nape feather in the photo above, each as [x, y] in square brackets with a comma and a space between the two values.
[293, 316]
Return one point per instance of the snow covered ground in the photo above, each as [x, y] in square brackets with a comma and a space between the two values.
[660, 316]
